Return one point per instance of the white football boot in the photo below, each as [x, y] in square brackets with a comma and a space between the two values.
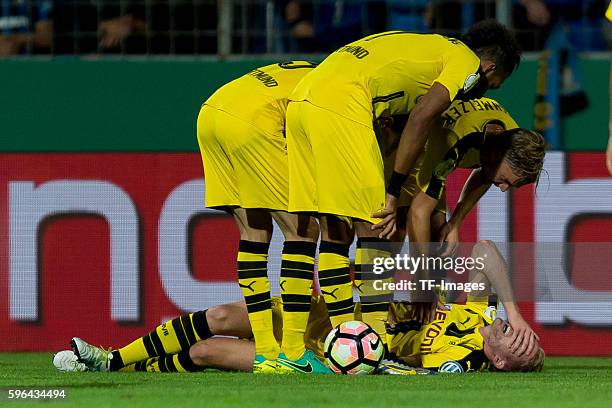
[67, 361]
[95, 358]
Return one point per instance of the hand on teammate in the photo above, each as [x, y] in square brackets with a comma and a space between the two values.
[524, 338]
[449, 239]
[389, 217]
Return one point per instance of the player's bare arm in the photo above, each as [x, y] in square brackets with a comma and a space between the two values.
[496, 273]
[473, 190]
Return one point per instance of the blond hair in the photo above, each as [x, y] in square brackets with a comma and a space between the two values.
[533, 362]
[525, 154]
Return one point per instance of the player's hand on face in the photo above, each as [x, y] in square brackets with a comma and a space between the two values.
[449, 239]
[388, 225]
[524, 339]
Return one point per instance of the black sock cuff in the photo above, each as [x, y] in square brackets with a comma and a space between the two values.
[116, 362]
[334, 248]
[200, 324]
[253, 247]
[300, 248]
[187, 362]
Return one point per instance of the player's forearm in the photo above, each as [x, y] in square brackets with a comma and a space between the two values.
[472, 192]
[412, 142]
[496, 271]
[429, 107]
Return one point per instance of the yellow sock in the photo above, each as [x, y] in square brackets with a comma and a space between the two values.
[297, 269]
[253, 280]
[374, 303]
[168, 338]
[335, 281]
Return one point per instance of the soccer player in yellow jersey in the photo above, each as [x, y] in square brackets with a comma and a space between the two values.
[478, 134]
[240, 132]
[335, 166]
[241, 137]
[461, 338]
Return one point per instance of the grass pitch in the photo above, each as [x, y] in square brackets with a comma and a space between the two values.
[566, 382]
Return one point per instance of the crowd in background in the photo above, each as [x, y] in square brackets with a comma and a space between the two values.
[273, 26]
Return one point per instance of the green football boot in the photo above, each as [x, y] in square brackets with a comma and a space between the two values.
[307, 364]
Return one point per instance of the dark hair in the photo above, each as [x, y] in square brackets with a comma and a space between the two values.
[492, 40]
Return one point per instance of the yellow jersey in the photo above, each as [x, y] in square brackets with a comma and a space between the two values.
[386, 73]
[260, 97]
[453, 335]
[456, 142]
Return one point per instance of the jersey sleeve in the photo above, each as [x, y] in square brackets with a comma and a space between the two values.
[486, 306]
[470, 360]
[459, 70]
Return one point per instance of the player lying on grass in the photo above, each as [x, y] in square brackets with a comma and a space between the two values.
[478, 134]
[241, 130]
[466, 335]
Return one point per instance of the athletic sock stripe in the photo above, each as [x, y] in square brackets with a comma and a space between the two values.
[149, 346]
[200, 325]
[159, 347]
[300, 248]
[374, 307]
[180, 333]
[116, 362]
[378, 298]
[177, 364]
[339, 280]
[252, 273]
[140, 366]
[296, 307]
[334, 248]
[162, 365]
[258, 307]
[248, 265]
[339, 312]
[186, 322]
[341, 304]
[293, 273]
[332, 273]
[169, 361]
[187, 363]
[300, 266]
[293, 298]
[253, 247]
[260, 297]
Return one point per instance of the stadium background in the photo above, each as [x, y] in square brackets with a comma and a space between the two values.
[103, 232]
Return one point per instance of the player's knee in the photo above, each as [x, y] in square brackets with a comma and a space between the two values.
[200, 353]
[217, 318]
[484, 248]
[484, 245]
[416, 213]
[364, 230]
